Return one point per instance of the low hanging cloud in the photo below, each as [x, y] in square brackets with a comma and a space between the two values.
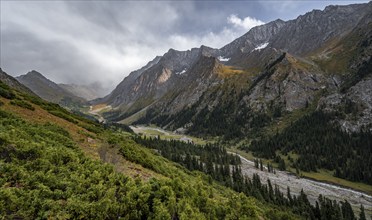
[85, 43]
[245, 23]
[234, 28]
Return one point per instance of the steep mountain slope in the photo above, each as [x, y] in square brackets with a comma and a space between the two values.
[50, 168]
[246, 50]
[159, 83]
[354, 96]
[49, 90]
[145, 86]
[264, 84]
[115, 97]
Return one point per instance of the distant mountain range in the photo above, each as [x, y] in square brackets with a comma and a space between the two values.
[67, 95]
[87, 92]
[320, 59]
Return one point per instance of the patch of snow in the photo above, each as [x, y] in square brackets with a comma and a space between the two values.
[182, 72]
[221, 58]
[261, 46]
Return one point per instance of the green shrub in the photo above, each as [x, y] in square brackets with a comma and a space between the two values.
[63, 116]
[22, 104]
[6, 93]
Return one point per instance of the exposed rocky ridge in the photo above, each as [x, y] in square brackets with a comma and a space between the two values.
[249, 41]
[308, 32]
[115, 97]
[202, 75]
[47, 89]
[155, 79]
[290, 83]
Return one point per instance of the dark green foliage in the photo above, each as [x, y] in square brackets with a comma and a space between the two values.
[6, 92]
[321, 144]
[230, 175]
[230, 119]
[58, 111]
[44, 175]
[256, 163]
[86, 116]
[362, 214]
[62, 115]
[118, 127]
[282, 165]
[362, 63]
[115, 115]
[92, 128]
[211, 159]
[261, 165]
[347, 211]
[227, 120]
[22, 104]
[75, 117]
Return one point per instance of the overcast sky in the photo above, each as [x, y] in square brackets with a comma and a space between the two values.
[84, 42]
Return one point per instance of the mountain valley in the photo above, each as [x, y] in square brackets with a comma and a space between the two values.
[276, 124]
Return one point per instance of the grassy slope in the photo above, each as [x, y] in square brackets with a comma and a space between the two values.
[65, 179]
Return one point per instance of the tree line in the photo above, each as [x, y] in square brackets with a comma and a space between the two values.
[228, 173]
[321, 144]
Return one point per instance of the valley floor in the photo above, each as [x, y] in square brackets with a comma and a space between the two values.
[311, 188]
[281, 178]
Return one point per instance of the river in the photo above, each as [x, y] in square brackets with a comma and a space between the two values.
[283, 179]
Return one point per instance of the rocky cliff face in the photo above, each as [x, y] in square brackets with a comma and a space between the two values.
[142, 87]
[201, 76]
[282, 66]
[291, 84]
[354, 98]
[118, 95]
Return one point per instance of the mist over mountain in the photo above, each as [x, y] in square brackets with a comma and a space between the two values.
[88, 92]
[78, 43]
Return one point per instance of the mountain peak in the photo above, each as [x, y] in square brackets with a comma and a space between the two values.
[34, 73]
[171, 50]
[46, 88]
[278, 20]
[12, 82]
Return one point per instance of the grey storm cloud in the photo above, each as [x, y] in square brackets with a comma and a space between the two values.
[85, 42]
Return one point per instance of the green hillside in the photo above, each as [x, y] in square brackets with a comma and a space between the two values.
[51, 168]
